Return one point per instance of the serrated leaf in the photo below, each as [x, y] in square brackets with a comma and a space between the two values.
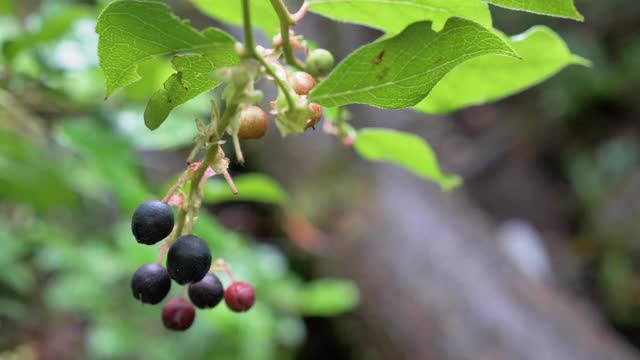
[403, 149]
[559, 8]
[401, 71]
[262, 14]
[132, 31]
[393, 16]
[489, 78]
[191, 79]
[252, 187]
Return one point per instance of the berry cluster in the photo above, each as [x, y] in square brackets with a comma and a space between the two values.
[188, 263]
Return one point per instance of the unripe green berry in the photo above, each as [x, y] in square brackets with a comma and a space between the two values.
[301, 82]
[319, 62]
[253, 123]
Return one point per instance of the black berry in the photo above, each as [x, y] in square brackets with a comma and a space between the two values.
[206, 293]
[178, 314]
[239, 296]
[151, 222]
[150, 283]
[188, 259]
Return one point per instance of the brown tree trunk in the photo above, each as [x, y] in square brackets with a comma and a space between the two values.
[435, 285]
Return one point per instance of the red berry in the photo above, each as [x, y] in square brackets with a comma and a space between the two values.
[313, 120]
[178, 314]
[301, 82]
[253, 123]
[239, 296]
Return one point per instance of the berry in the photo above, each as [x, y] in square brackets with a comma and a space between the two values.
[239, 296]
[150, 283]
[188, 259]
[178, 314]
[313, 120]
[253, 123]
[151, 222]
[301, 82]
[206, 293]
[319, 62]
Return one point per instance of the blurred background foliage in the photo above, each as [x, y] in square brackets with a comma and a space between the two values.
[73, 167]
[71, 175]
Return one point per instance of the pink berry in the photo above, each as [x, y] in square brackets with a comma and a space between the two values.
[313, 120]
[178, 314]
[301, 82]
[239, 296]
[253, 123]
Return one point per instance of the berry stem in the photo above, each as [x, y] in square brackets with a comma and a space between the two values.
[183, 291]
[238, 149]
[281, 83]
[179, 183]
[163, 251]
[227, 270]
[286, 20]
[229, 179]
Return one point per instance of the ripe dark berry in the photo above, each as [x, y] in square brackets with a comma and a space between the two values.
[253, 123]
[151, 222]
[150, 283]
[188, 259]
[239, 296]
[319, 62]
[178, 314]
[301, 82]
[206, 293]
[313, 120]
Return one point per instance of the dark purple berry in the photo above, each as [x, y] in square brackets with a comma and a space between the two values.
[188, 259]
[178, 314]
[151, 222]
[150, 283]
[239, 296]
[206, 293]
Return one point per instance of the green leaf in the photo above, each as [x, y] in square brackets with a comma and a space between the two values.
[489, 78]
[131, 32]
[405, 150]
[393, 16]
[401, 71]
[110, 156]
[328, 297]
[252, 187]
[54, 26]
[559, 8]
[262, 14]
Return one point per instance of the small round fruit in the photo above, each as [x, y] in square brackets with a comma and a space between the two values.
[319, 62]
[313, 120]
[239, 296]
[301, 82]
[151, 222]
[206, 293]
[188, 259]
[150, 283]
[178, 314]
[253, 123]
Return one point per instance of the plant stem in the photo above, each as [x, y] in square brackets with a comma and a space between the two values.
[286, 20]
[281, 84]
[193, 200]
[249, 43]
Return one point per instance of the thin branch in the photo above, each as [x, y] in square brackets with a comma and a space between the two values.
[286, 20]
